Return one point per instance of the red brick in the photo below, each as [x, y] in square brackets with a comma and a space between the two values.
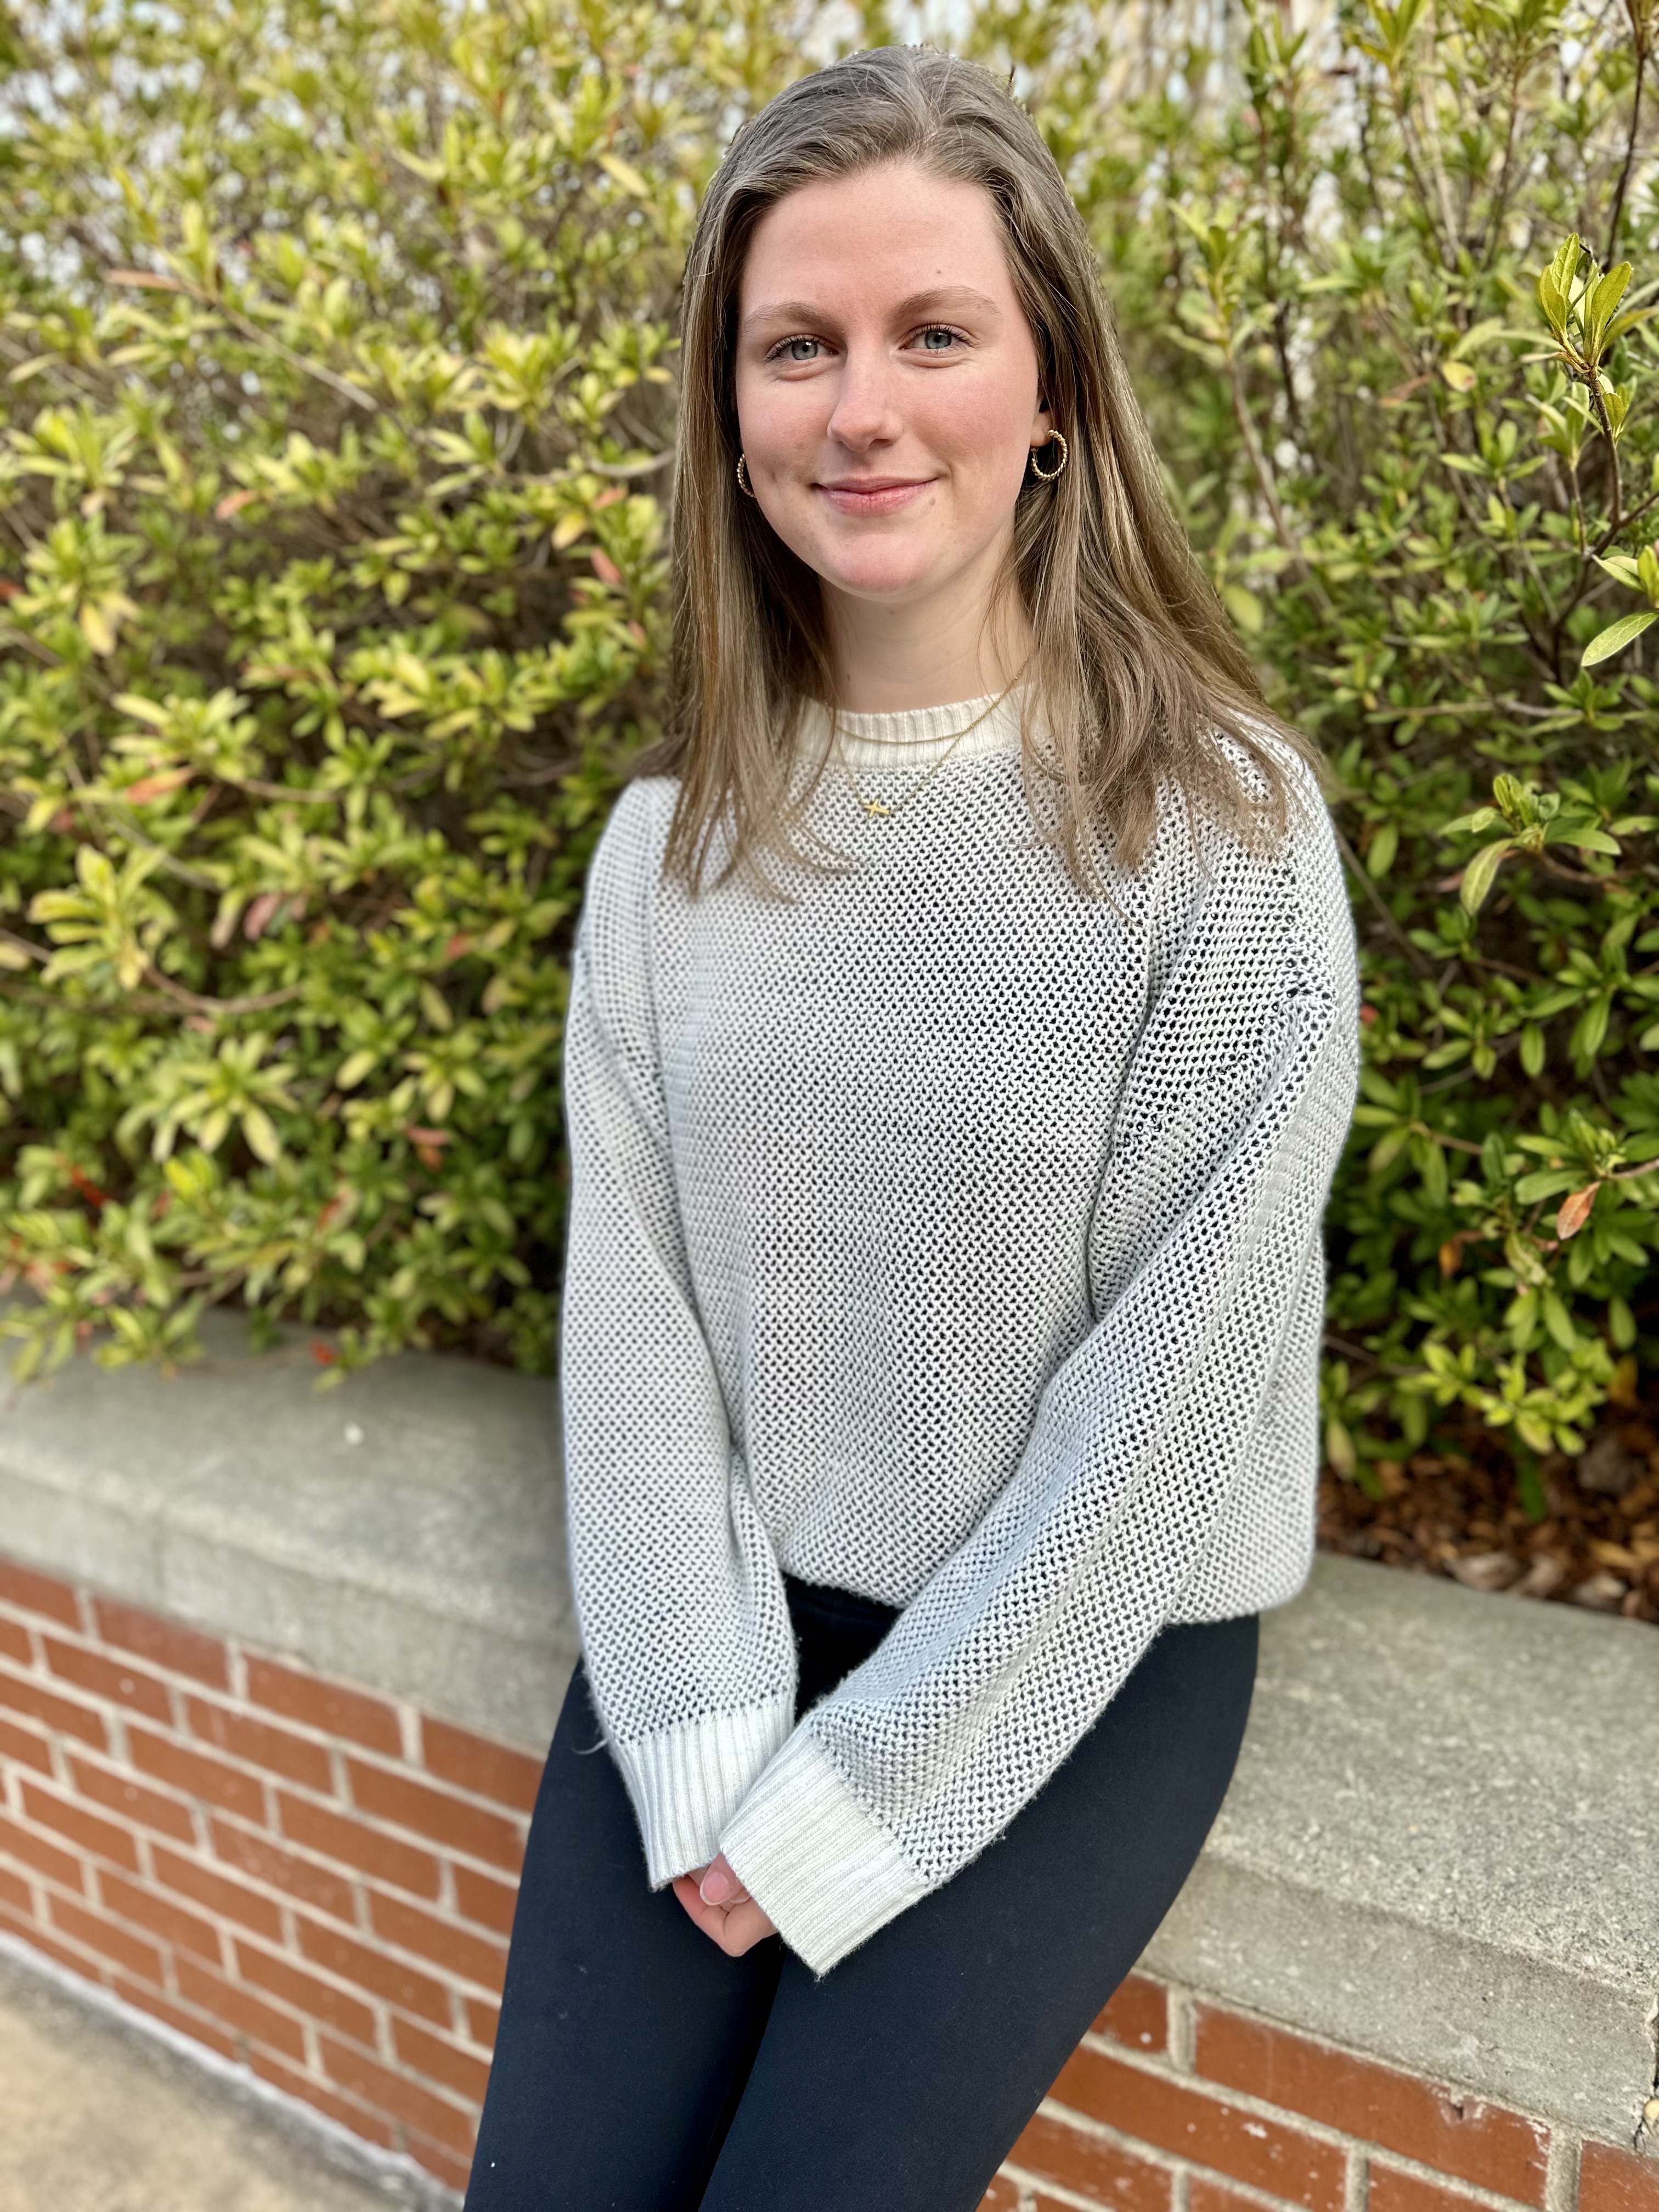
[30, 1849]
[475, 1762]
[330, 1706]
[480, 1896]
[34, 1593]
[160, 1915]
[440, 2062]
[229, 1899]
[371, 1969]
[305, 1993]
[450, 2167]
[483, 2020]
[1452, 2132]
[101, 1838]
[372, 2126]
[1205, 2128]
[76, 1962]
[462, 1827]
[164, 1643]
[16, 1892]
[146, 1809]
[474, 1958]
[1207, 2194]
[208, 1780]
[393, 2092]
[15, 1642]
[108, 1678]
[1138, 2014]
[196, 2025]
[1391, 2190]
[1614, 2180]
[63, 1714]
[93, 1933]
[257, 1743]
[337, 1836]
[239, 2008]
[1103, 2172]
[258, 1856]
[25, 1748]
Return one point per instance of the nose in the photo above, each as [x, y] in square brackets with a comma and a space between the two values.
[867, 412]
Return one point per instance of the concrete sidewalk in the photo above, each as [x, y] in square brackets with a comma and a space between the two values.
[94, 2117]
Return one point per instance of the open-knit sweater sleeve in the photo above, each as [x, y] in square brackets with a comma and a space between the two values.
[1207, 1277]
[690, 1654]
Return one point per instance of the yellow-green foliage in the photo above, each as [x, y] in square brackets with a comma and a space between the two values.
[338, 384]
[339, 376]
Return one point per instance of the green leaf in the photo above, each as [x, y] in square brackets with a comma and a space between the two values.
[1379, 854]
[1589, 1031]
[1586, 840]
[1616, 637]
[261, 1134]
[1481, 873]
[1245, 608]
[1545, 1184]
[1484, 817]
[1558, 1321]
[625, 174]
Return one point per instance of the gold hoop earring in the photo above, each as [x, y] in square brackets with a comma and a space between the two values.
[1047, 476]
[744, 484]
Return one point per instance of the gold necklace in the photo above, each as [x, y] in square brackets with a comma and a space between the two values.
[879, 809]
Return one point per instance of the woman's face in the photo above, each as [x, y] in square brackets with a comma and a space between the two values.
[886, 383]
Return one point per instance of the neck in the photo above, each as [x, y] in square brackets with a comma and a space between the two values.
[960, 644]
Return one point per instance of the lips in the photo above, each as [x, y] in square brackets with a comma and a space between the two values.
[874, 494]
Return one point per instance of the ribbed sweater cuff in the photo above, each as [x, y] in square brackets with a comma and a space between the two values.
[826, 1875]
[685, 1783]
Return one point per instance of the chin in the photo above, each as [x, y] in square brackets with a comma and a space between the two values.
[878, 572]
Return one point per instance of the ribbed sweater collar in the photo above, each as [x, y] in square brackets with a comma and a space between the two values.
[915, 737]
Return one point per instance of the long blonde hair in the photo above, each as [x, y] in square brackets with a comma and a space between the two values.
[1135, 668]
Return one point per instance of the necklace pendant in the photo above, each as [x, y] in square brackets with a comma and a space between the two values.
[872, 807]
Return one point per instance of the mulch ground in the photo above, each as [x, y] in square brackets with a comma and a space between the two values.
[1453, 1509]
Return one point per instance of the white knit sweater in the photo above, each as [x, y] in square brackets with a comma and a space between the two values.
[944, 1235]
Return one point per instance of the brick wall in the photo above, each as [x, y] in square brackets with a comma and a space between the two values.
[318, 1882]
[1174, 2103]
[303, 1876]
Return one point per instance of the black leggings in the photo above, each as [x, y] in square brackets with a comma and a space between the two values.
[640, 2069]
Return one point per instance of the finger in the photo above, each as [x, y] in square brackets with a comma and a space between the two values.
[708, 1917]
[720, 1884]
[746, 1926]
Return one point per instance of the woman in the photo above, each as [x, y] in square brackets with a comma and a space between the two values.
[963, 1034]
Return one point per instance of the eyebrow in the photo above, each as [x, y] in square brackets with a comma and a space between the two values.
[936, 298]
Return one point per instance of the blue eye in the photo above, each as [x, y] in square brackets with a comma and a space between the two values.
[802, 349]
[937, 338]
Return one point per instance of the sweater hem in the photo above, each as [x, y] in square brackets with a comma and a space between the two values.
[685, 1783]
[823, 1871]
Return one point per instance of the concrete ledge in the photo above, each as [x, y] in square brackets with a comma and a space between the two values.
[1441, 1843]
[405, 1531]
[1441, 1847]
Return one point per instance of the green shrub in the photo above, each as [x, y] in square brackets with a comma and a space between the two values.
[338, 380]
[339, 367]
[1414, 423]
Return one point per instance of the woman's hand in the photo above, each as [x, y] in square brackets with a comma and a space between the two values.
[722, 1907]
